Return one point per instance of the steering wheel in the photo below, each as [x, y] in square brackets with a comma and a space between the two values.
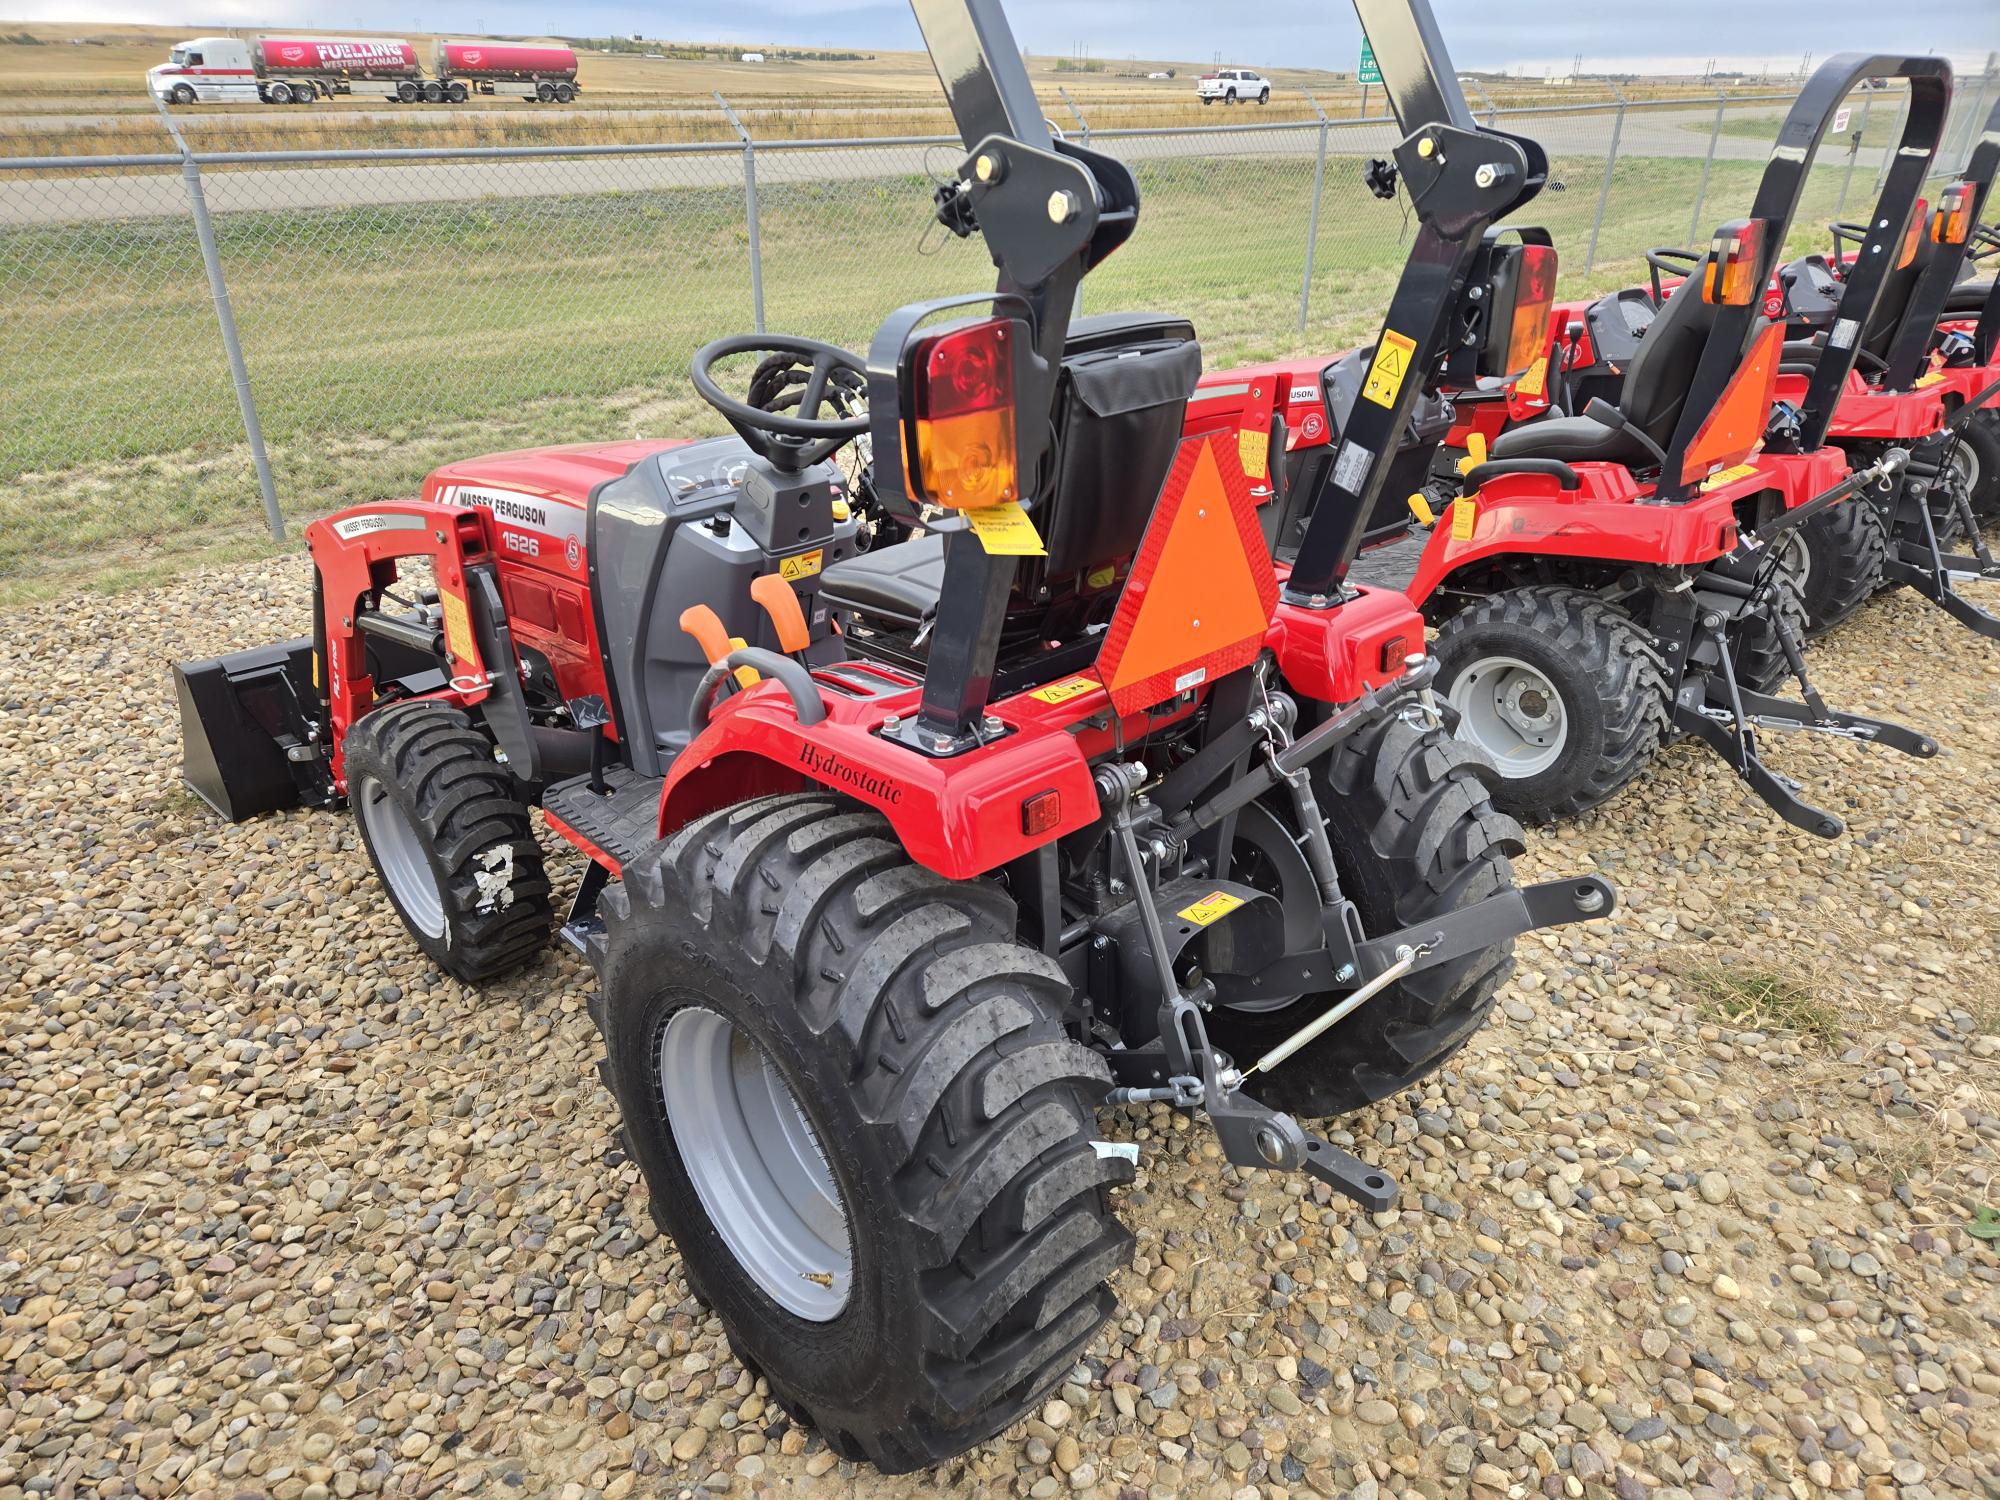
[1666, 260]
[1985, 242]
[789, 440]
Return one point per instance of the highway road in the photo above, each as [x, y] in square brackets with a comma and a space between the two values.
[27, 199]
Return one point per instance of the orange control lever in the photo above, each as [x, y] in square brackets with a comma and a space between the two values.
[701, 622]
[782, 605]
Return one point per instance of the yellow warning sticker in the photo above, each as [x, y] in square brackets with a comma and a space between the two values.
[1464, 517]
[1005, 531]
[1534, 380]
[792, 569]
[1254, 448]
[1102, 578]
[1062, 692]
[457, 628]
[1931, 379]
[1391, 365]
[1728, 476]
[1211, 908]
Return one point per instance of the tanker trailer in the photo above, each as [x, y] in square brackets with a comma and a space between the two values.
[510, 70]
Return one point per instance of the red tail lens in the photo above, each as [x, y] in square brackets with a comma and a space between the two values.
[1911, 235]
[962, 392]
[1730, 279]
[1041, 813]
[1534, 296]
[1953, 220]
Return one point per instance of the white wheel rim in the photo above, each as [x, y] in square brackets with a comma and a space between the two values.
[756, 1164]
[399, 850]
[1513, 712]
[1967, 463]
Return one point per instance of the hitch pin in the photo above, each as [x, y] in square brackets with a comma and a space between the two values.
[1406, 958]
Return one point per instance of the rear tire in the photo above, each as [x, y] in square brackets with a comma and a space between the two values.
[457, 93]
[281, 93]
[1845, 550]
[545, 92]
[1414, 836]
[450, 839]
[1607, 681]
[565, 93]
[927, 1051]
[408, 93]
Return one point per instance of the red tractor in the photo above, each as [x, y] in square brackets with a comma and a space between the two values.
[1599, 580]
[900, 863]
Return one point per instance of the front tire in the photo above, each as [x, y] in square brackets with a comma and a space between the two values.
[1845, 548]
[1978, 457]
[181, 93]
[450, 839]
[1563, 692]
[1414, 836]
[927, 1056]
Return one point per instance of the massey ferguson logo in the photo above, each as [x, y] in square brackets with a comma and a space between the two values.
[832, 769]
[474, 57]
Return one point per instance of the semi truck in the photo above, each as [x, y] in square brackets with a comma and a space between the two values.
[299, 70]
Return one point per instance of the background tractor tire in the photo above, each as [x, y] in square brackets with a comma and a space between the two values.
[1845, 549]
[1414, 836]
[1979, 456]
[962, 1215]
[450, 839]
[1754, 649]
[1596, 664]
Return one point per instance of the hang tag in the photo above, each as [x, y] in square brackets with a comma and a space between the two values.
[1006, 531]
[1254, 448]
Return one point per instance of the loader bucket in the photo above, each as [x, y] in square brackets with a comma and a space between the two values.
[240, 715]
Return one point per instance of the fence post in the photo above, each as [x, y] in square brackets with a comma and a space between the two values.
[1707, 165]
[1604, 193]
[1312, 222]
[225, 316]
[1083, 125]
[1853, 153]
[750, 210]
[1492, 110]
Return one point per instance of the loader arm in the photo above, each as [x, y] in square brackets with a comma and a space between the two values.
[1461, 178]
[1910, 347]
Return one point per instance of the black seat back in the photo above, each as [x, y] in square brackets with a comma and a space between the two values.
[1662, 368]
[1120, 402]
[1897, 290]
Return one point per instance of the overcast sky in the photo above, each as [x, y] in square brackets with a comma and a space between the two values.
[1535, 34]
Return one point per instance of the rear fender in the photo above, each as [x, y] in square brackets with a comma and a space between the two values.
[960, 815]
[1528, 515]
[1334, 655]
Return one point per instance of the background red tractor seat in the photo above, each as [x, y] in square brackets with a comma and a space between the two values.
[1572, 439]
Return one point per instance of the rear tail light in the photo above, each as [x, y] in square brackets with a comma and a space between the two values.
[1911, 235]
[1952, 222]
[961, 443]
[1041, 813]
[1534, 297]
[1730, 278]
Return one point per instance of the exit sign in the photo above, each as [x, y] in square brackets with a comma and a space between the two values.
[1369, 71]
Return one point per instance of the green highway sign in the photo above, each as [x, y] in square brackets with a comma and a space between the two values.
[1369, 71]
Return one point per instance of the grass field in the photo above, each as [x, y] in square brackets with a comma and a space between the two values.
[383, 341]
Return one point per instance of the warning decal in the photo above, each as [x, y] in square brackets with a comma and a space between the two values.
[1390, 366]
[804, 565]
[1534, 379]
[1005, 531]
[1210, 909]
[1253, 446]
[458, 628]
[1728, 476]
[1062, 692]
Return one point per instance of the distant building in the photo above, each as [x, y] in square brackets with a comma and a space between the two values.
[753, 57]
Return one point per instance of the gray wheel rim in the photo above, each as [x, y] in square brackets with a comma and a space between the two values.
[1967, 463]
[756, 1164]
[1513, 712]
[399, 850]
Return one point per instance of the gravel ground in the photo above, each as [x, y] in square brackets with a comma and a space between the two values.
[285, 1212]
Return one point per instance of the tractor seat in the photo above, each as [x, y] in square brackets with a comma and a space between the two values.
[898, 585]
[1572, 439]
[1968, 298]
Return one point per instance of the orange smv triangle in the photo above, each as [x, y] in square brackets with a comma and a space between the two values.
[1197, 603]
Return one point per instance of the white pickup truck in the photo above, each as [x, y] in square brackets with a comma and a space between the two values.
[1233, 85]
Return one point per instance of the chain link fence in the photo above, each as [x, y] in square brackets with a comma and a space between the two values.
[396, 309]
